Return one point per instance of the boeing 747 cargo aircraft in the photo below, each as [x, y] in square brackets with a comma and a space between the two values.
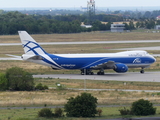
[119, 62]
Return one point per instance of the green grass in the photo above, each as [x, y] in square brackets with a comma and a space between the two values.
[32, 114]
[92, 36]
[99, 84]
[105, 97]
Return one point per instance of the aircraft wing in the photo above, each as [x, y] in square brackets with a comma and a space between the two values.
[106, 65]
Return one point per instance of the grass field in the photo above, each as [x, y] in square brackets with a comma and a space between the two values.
[67, 49]
[91, 36]
[31, 114]
[59, 97]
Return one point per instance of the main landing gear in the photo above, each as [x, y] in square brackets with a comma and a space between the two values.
[101, 72]
[142, 71]
[89, 72]
[86, 72]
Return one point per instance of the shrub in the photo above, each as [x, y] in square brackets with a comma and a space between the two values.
[41, 87]
[143, 107]
[99, 112]
[18, 79]
[45, 87]
[58, 112]
[45, 112]
[125, 111]
[3, 82]
[81, 106]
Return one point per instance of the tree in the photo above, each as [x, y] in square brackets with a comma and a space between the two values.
[147, 14]
[18, 79]
[126, 26]
[131, 25]
[81, 106]
[143, 107]
[3, 82]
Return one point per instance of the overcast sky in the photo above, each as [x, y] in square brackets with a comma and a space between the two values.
[76, 3]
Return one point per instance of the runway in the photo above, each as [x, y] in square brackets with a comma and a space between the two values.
[129, 76]
[140, 48]
[85, 42]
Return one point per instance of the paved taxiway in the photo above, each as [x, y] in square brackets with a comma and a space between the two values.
[129, 76]
[140, 48]
[85, 42]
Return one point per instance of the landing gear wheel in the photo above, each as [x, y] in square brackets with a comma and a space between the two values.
[86, 72]
[82, 73]
[142, 71]
[100, 73]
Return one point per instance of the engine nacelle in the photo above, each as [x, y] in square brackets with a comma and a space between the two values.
[120, 68]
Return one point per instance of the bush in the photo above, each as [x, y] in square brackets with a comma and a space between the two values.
[45, 112]
[125, 111]
[18, 79]
[45, 87]
[3, 82]
[81, 106]
[58, 112]
[99, 112]
[143, 107]
[41, 87]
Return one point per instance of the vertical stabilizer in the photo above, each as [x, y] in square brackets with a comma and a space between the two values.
[29, 45]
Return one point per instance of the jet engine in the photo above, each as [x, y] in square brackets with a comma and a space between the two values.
[120, 68]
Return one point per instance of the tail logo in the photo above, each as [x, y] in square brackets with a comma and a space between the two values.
[33, 48]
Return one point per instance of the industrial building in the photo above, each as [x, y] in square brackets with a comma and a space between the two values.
[117, 27]
[157, 27]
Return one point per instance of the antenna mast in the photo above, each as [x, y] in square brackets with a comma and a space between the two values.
[91, 10]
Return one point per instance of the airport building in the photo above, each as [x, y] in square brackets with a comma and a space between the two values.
[157, 27]
[117, 27]
[86, 26]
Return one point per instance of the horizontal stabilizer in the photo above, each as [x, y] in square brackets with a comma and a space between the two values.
[15, 57]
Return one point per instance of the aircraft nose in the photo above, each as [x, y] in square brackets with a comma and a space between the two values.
[153, 59]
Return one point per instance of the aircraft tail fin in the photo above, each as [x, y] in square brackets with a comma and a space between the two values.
[29, 45]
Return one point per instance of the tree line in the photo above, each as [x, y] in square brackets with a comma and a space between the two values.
[11, 22]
